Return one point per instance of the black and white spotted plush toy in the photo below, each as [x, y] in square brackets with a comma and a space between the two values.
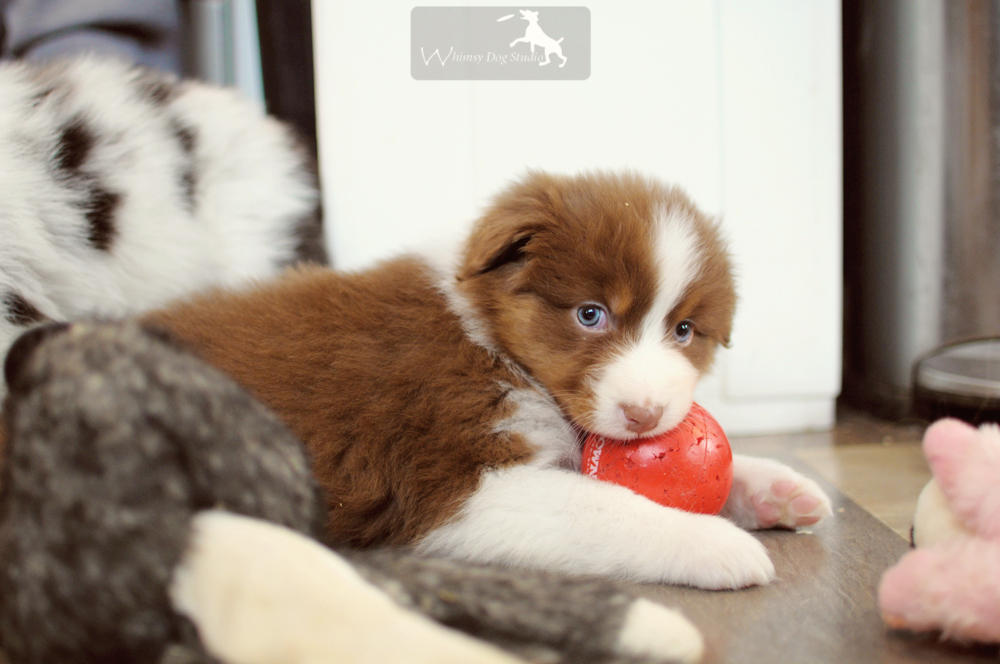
[152, 511]
[123, 188]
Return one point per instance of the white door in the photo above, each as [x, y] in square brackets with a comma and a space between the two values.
[737, 101]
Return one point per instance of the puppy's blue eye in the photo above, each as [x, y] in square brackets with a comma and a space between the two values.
[592, 316]
[684, 331]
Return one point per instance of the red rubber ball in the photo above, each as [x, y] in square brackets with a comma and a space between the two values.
[689, 467]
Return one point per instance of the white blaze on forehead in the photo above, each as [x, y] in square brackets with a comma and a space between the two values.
[652, 371]
[678, 261]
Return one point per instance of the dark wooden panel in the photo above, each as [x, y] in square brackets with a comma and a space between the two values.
[286, 53]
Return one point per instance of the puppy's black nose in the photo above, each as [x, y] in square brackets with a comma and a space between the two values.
[21, 350]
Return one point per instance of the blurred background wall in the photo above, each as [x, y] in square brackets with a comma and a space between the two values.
[737, 102]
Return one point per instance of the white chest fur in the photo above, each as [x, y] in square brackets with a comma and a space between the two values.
[538, 419]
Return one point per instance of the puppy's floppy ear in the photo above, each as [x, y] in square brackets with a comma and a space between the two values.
[503, 235]
[511, 250]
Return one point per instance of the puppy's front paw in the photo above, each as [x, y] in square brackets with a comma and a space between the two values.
[768, 494]
[720, 556]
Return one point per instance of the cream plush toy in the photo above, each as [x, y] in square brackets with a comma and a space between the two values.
[951, 582]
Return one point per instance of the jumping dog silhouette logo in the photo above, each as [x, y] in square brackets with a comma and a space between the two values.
[535, 36]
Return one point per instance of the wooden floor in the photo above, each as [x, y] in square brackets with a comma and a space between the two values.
[823, 606]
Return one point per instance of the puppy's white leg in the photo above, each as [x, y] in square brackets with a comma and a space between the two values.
[263, 594]
[768, 494]
[558, 520]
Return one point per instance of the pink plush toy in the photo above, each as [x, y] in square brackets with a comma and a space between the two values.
[951, 582]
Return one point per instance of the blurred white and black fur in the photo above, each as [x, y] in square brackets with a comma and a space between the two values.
[122, 188]
[130, 470]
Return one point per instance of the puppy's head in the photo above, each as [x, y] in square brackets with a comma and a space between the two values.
[611, 290]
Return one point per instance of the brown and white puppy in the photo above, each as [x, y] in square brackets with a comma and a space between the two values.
[443, 405]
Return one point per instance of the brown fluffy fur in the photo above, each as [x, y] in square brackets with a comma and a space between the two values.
[374, 373]
[378, 376]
